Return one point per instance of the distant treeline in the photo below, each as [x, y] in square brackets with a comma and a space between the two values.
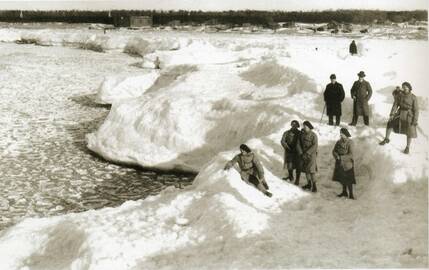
[223, 17]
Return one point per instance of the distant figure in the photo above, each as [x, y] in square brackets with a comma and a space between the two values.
[307, 149]
[157, 63]
[353, 48]
[333, 96]
[344, 164]
[403, 116]
[361, 93]
[250, 169]
[291, 158]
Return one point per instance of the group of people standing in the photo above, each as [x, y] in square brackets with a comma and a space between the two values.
[301, 145]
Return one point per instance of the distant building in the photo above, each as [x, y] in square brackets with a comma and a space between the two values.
[132, 21]
[141, 21]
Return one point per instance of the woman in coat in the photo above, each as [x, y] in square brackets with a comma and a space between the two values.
[403, 116]
[344, 165]
[250, 169]
[361, 93]
[307, 149]
[291, 159]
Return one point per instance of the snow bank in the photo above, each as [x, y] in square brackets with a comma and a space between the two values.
[119, 87]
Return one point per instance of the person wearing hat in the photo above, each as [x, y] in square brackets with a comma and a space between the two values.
[353, 48]
[291, 159]
[307, 151]
[250, 169]
[361, 93]
[333, 96]
[344, 164]
[404, 116]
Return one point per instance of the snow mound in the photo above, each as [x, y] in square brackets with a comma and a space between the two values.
[118, 87]
[219, 208]
[270, 74]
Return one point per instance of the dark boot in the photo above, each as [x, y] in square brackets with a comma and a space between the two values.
[307, 187]
[314, 187]
[385, 141]
[298, 176]
[344, 193]
[354, 121]
[350, 187]
[331, 120]
[366, 120]
[290, 176]
[337, 120]
[407, 150]
[268, 194]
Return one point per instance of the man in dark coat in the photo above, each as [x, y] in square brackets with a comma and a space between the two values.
[353, 48]
[361, 93]
[291, 158]
[307, 149]
[334, 95]
[403, 116]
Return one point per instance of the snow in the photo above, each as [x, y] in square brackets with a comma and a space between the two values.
[212, 94]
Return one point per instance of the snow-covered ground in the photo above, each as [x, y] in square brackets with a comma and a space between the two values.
[213, 93]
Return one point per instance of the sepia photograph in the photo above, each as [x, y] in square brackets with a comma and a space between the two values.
[223, 134]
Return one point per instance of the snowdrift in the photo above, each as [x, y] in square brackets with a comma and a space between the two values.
[205, 102]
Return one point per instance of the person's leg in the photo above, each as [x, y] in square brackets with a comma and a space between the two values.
[290, 176]
[366, 120]
[313, 183]
[298, 176]
[407, 149]
[331, 120]
[259, 185]
[386, 139]
[354, 120]
[337, 120]
[350, 187]
[344, 193]
[308, 185]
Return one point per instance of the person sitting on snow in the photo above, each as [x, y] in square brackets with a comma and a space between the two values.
[403, 116]
[307, 150]
[344, 163]
[250, 169]
[291, 159]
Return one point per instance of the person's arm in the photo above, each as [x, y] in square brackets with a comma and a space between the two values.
[259, 167]
[283, 141]
[342, 93]
[313, 148]
[394, 107]
[369, 89]
[415, 111]
[353, 91]
[231, 163]
[325, 94]
[334, 152]
[349, 155]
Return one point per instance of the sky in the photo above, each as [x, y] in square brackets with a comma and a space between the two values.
[215, 5]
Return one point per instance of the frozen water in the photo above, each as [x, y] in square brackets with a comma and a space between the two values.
[46, 109]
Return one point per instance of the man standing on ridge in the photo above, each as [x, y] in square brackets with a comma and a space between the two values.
[333, 96]
[361, 93]
[291, 158]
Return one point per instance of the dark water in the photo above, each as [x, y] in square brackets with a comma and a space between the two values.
[46, 109]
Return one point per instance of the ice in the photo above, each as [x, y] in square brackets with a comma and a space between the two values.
[212, 95]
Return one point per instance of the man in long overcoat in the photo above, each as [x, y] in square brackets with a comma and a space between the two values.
[403, 116]
[353, 48]
[307, 150]
[333, 96]
[291, 158]
[361, 93]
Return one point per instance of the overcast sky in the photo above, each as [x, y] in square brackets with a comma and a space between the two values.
[217, 4]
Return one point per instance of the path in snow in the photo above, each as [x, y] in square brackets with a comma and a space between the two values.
[45, 112]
